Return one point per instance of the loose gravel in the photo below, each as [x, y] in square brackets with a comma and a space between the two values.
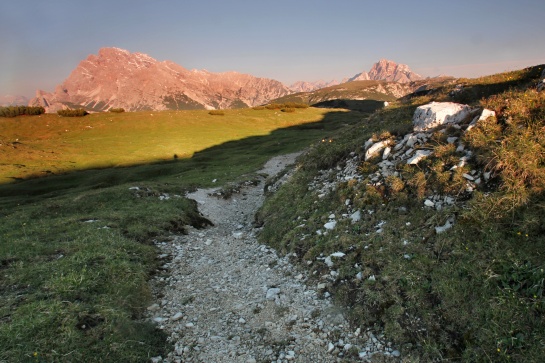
[226, 298]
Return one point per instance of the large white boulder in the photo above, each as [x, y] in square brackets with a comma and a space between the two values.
[427, 117]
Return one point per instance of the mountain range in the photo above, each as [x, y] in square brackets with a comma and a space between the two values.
[116, 78]
[383, 70]
[136, 81]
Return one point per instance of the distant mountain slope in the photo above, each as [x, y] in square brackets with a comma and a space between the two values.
[362, 95]
[136, 81]
[304, 86]
[10, 100]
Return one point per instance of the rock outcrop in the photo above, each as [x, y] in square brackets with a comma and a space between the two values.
[389, 155]
[135, 81]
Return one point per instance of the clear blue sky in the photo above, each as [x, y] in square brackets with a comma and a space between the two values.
[41, 42]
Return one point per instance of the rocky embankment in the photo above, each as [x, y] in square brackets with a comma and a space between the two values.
[226, 298]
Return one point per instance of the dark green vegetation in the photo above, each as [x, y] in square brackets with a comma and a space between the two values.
[76, 249]
[13, 111]
[473, 293]
[79, 112]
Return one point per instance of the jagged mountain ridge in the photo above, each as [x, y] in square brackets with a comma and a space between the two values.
[383, 70]
[135, 81]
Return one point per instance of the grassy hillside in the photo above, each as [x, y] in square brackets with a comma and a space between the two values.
[362, 96]
[76, 250]
[49, 144]
[472, 293]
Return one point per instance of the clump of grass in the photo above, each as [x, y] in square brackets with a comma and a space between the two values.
[117, 110]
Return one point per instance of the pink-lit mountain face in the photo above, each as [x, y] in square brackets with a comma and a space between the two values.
[385, 70]
[116, 78]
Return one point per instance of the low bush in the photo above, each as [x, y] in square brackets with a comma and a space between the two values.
[72, 113]
[13, 111]
[117, 110]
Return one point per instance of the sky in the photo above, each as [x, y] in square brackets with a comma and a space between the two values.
[41, 42]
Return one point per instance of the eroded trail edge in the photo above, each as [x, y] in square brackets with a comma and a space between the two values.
[227, 298]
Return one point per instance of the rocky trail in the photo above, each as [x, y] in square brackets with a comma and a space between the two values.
[226, 298]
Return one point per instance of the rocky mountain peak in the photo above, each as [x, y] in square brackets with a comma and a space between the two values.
[135, 81]
[387, 70]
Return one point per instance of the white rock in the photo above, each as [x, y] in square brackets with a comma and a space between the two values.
[158, 359]
[338, 254]
[368, 143]
[419, 155]
[177, 316]
[483, 116]
[331, 216]
[452, 140]
[272, 293]
[386, 153]
[328, 261]
[372, 278]
[427, 117]
[411, 140]
[330, 347]
[359, 276]
[356, 216]
[468, 177]
[375, 148]
[330, 225]
[446, 226]
[429, 203]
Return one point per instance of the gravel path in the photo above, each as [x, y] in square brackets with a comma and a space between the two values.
[229, 299]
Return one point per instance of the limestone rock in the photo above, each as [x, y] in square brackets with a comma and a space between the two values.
[427, 117]
[375, 148]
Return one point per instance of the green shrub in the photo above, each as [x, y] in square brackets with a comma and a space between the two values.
[117, 110]
[288, 109]
[72, 113]
[13, 111]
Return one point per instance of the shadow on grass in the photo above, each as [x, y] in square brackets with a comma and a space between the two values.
[352, 105]
[223, 162]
